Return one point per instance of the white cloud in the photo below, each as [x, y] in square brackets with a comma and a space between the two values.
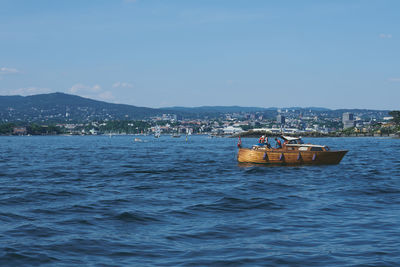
[92, 92]
[394, 79]
[5, 70]
[80, 88]
[385, 35]
[28, 91]
[106, 95]
[122, 85]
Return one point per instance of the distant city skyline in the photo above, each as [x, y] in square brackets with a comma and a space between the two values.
[336, 54]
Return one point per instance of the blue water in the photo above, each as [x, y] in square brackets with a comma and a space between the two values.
[112, 201]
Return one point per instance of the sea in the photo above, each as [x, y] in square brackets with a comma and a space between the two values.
[114, 201]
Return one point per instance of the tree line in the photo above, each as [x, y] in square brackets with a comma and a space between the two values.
[32, 129]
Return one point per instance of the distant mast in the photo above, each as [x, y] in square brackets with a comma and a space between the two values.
[157, 131]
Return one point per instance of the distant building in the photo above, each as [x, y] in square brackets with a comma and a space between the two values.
[232, 130]
[19, 130]
[348, 120]
[169, 117]
[280, 119]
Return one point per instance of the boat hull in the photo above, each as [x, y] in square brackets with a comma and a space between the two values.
[284, 157]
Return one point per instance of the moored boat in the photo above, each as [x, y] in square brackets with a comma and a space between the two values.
[292, 152]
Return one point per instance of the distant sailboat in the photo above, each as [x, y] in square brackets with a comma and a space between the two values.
[176, 135]
[157, 132]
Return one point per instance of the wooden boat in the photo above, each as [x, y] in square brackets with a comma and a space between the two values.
[293, 152]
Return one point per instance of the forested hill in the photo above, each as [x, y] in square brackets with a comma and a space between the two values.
[60, 107]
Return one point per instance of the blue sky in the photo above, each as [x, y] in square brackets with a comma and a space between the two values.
[335, 54]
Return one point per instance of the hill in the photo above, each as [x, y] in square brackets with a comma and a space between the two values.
[60, 107]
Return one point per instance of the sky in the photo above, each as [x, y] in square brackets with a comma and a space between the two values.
[158, 53]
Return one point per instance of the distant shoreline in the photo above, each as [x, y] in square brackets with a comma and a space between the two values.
[258, 134]
[242, 135]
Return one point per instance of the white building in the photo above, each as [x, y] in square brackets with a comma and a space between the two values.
[232, 130]
[348, 120]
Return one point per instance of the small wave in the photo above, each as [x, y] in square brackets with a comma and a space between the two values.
[69, 149]
[134, 217]
[236, 204]
[200, 235]
[179, 213]
[39, 196]
[75, 222]
[33, 231]
[144, 187]
[12, 217]
[116, 201]
[19, 259]
[374, 191]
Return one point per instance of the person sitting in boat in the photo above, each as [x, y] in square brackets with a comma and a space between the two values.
[278, 143]
[261, 140]
[266, 142]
